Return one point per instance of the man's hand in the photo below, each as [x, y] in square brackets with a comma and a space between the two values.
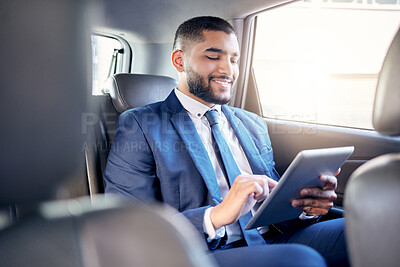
[318, 201]
[243, 195]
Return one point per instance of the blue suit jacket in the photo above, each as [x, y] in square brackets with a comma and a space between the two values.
[158, 155]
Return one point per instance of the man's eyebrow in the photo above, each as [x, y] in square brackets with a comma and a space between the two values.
[220, 51]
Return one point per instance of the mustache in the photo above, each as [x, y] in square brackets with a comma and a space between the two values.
[230, 79]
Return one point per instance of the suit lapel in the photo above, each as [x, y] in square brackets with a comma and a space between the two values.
[187, 131]
[253, 156]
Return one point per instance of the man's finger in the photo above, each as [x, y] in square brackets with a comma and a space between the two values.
[330, 182]
[271, 184]
[308, 203]
[267, 183]
[318, 193]
[315, 211]
[245, 187]
[259, 191]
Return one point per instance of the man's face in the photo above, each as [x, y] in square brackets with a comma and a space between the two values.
[211, 67]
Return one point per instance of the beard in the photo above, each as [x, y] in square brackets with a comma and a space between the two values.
[198, 87]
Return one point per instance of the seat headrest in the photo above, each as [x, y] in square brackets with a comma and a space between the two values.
[386, 117]
[134, 90]
[44, 88]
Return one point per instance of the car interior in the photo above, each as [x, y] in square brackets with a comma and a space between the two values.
[379, 177]
[59, 119]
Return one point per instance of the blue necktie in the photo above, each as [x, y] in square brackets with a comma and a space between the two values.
[231, 169]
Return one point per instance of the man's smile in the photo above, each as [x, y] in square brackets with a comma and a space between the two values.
[223, 82]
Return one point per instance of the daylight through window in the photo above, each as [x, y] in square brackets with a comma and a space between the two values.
[319, 61]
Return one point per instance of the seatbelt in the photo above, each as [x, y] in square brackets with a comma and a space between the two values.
[114, 60]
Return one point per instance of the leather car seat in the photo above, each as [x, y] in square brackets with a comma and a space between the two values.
[43, 76]
[373, 192]
[121, 92]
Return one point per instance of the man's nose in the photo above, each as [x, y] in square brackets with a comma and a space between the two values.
[226, 67]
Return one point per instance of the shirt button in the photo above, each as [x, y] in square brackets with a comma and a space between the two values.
[198, 115]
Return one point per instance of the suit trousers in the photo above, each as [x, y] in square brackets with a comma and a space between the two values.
[319, 244]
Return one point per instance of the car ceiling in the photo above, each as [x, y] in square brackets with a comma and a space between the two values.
[155, 21]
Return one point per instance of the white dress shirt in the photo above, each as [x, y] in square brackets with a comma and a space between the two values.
[196, 111]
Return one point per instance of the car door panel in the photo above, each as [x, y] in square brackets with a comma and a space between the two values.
[289, 138]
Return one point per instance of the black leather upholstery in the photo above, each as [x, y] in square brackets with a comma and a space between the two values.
[125, 91]
[373, 191]
[135, 90]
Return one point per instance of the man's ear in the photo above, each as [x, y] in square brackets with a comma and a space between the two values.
[177, 60]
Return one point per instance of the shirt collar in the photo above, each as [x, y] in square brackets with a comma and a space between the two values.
[193, 106]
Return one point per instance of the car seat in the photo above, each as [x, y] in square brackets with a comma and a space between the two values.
[373, 191]
[43, 76]
[121, 92]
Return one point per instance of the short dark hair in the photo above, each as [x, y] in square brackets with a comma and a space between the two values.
[192, 30]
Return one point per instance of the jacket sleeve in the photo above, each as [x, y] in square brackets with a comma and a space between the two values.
[131, 171]
[196, 217]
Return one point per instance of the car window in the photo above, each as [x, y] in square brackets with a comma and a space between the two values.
[107, 57]
[319, 61]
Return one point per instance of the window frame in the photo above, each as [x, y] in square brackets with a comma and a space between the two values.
[125, 59]
[250, 97]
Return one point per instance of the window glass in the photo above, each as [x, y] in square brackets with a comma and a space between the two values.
[102, 56]
[319, 61]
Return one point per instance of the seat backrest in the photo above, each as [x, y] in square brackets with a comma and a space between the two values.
[386, 116]
[373, 191]
[125, 91]
[107, 233]
[130, 90]
[43, 76]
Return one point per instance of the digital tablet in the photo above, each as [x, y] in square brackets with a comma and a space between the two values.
[303, 172]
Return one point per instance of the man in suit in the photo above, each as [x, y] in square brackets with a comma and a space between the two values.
[171, 152]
